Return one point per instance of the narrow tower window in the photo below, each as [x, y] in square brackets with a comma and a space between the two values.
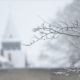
[2, 53]
[9, 57]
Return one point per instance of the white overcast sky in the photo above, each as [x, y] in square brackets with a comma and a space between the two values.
[26, 14]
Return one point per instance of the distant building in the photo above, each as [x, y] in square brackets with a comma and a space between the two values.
[11, 46]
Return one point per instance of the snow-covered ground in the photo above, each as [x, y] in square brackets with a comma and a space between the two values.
[4, 63]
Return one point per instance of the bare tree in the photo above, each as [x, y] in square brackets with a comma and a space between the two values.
[70, 29]
[68, 25]
[50, 31]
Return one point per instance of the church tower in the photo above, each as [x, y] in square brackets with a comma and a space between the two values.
[11, 45]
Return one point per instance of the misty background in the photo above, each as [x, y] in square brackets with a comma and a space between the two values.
[28, 15]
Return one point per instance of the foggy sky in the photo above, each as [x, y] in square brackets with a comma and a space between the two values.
[25, 15]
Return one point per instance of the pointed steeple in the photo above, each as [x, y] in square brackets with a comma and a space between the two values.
[10, 33]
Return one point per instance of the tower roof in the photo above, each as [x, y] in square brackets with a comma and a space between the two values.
[10, 33]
